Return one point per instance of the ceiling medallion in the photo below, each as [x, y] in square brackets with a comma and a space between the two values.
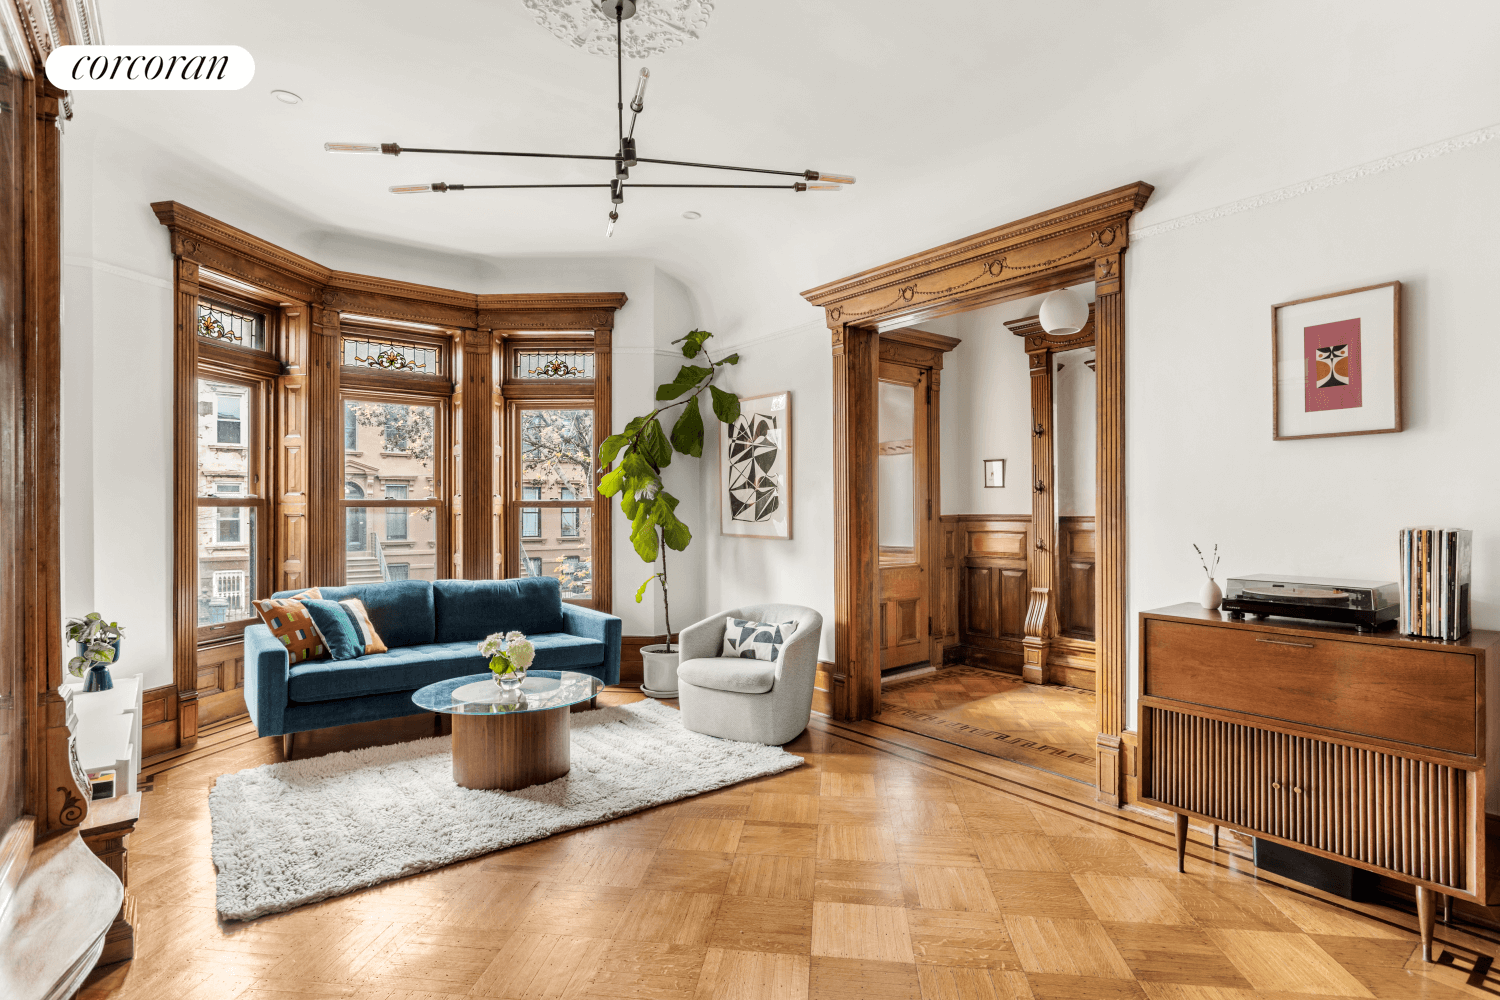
[627, 153]
[658, 25]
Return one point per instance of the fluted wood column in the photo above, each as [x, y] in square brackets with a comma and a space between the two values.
[478, 472]
[185, 506]
[325, 453]
[856, 669]
[1041, 612]
[1109, 618]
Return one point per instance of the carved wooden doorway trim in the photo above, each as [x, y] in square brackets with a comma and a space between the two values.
[1074, 243]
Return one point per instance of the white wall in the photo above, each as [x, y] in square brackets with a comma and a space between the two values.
[117, 368]
[986, 408]
[1200, 463]
[744, 571]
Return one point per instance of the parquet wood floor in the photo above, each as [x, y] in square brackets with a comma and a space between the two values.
[1049, 726]
[859, 875]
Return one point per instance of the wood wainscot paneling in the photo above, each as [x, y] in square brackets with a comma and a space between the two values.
[221, 682]
[986, 592]
[1071, 660]
[158, 722]
[989, 588]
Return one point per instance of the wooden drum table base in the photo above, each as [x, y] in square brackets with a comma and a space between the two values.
[509, 740]
[510, 752]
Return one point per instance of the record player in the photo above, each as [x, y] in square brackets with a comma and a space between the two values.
[1365, 604]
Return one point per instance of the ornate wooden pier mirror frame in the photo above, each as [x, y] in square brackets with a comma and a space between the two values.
[1074, 243]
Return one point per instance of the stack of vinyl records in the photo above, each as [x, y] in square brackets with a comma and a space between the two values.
[1435, 581]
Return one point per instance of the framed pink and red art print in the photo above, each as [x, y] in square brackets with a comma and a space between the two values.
[1336, 364]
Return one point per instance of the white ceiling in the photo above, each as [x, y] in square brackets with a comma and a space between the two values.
[955, 117]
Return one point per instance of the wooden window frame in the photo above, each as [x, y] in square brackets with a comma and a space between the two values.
[531, 394]
[442, 472]
[241, 368]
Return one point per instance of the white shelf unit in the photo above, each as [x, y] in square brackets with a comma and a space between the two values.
[108, 732]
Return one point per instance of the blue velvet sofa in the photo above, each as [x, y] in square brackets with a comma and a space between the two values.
[431, 630]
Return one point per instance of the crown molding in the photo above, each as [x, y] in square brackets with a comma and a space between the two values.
[1385, 164]
[222, 247]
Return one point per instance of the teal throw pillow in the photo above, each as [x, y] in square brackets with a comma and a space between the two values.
[341, 635]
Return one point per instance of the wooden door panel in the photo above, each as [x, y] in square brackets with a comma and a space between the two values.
[1014, 595]
[1076, 547]
[907, 564]
[979, 593]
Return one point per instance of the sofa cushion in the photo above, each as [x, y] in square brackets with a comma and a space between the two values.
[727, 673]
[401, 610]
[408, 668]
[472, 609]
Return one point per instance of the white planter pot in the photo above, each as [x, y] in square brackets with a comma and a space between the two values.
[660, 679]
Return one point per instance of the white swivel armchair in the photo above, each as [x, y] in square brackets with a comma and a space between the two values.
[754, 701]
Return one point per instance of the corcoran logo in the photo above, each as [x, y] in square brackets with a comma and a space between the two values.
[150, 67]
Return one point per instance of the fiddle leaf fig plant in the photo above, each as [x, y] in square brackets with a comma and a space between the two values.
[644, 448]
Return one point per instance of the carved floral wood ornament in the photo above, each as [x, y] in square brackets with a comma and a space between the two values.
[1082, 241]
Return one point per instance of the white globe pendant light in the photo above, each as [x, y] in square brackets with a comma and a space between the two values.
[1064, 312]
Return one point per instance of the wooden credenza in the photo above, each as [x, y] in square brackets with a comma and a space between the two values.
[1371, 750]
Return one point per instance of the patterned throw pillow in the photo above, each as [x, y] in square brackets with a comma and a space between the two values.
[288, 621]
[335, 625]
[361, 618]
[755, 640]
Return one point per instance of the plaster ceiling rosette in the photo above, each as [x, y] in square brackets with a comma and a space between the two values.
[658, 25]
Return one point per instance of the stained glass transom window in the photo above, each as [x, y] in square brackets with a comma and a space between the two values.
[380, 354]
[554, 364]
[228, 325]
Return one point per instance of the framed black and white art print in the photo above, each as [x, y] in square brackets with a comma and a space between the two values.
[755, 469]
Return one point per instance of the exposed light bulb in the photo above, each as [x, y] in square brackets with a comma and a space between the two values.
[610, 229]
[413, 188]
[639, 103]
[820, 187]
[352, 147]
[835, 178]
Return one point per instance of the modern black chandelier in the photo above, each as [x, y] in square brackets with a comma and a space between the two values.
[624, 158]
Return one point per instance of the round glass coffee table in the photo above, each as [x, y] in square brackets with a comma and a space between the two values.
[510, 740]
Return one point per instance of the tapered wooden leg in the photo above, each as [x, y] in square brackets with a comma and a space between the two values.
[1216, 836]
[1182, 828]
[1426, 916]
[287, 741]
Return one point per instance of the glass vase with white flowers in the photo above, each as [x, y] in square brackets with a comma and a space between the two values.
[510, 654]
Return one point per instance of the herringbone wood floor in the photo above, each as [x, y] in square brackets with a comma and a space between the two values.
[860, 875]
[1045, 726]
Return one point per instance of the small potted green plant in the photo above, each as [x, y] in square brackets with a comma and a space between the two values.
[98, 646]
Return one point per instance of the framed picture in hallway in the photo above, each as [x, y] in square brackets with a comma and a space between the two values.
[755, 469]
[1336, 364]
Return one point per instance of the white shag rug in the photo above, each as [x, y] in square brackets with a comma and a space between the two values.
[294, 833]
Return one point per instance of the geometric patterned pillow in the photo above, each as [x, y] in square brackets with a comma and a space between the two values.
[755, 640]
[288, 621]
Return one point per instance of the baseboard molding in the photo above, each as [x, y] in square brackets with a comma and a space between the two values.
[158, 722]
